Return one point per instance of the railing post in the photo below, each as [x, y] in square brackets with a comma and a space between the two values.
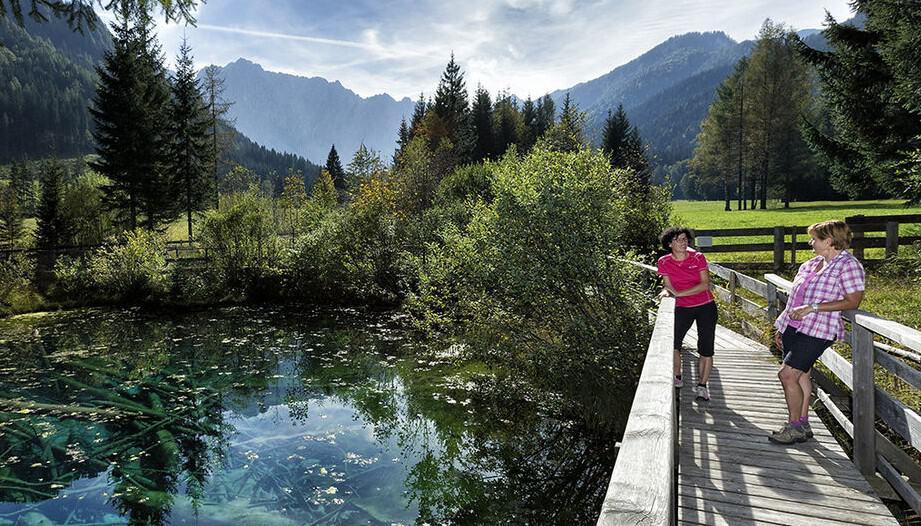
[793, 247]
[864, 413]
[733, 281]
[892, 238]
[778, 248]
[857, 245]
[772, 302]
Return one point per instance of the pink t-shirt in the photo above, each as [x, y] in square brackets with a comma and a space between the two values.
[685, 274]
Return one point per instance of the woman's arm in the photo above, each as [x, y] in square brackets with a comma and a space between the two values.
[850, 302]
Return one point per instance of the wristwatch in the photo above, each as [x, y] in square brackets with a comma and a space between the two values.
[814, 306]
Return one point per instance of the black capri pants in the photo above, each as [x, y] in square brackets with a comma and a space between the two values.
[705, 315]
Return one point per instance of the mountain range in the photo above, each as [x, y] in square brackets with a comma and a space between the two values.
[665, 92]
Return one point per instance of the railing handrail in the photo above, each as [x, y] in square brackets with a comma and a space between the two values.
[643, 484]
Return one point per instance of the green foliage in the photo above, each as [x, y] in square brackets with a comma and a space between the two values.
[11, 216]
[334, 167]
[83, 210]
[51, 228]
[530, 280]
[293, 204]
[241, 240]
[364, 164]
[869, 86]
[17, 293]
[323, 196]
[133, 267]
[240, 179]
[750, 143]
[352, 254]
[130, 116]
[189, 156]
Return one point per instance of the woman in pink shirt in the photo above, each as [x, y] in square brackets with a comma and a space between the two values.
[687, 278]
[827, 284]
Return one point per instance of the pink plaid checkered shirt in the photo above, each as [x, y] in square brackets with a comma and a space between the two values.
[844, 275]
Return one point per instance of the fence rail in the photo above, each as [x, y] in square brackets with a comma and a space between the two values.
[780, 245]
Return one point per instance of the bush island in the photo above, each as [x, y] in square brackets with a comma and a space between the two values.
[133, 267]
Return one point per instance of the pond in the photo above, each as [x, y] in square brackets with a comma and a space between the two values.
[267, 416]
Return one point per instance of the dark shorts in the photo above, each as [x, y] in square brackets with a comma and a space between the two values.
[801, 350]
[705, 315]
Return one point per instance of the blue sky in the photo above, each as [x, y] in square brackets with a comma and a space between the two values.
[529, 47]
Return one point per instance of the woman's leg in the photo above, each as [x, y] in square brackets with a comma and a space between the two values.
[684, 318]
[792, 392]
[805, 384]
[706, 340]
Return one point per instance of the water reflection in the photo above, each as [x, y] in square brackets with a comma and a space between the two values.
[258, 416]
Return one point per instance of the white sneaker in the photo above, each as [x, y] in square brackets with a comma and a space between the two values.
[703, 392]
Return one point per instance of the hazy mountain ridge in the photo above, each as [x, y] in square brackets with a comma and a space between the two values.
[308, 115]
[50, 72]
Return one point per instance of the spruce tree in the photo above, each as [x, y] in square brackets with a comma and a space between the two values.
[50, 228]
[546, 115]
[189, 155]
[508, 124]
[452, 108]
[419, 110]
[130, 114]
[481, 113]
[529, 115]
[334, 167]
[622, 144]
[11, 216]
[220, 135]
[867, 80]
[403, 138]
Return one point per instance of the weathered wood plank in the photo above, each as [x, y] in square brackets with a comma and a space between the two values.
[642, 487]
[793, 486]
[908, 493]
[814, 512]
[902, 419]
[895, 331]
[902, 370]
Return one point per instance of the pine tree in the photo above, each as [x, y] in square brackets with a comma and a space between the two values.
[546, 115]
[11, 217]
[508, 124]
[869, 86]
[481, 113]
[403, 138]
[334, 167]
[452, 108]
[418, 117]
[189, 159]
[220, 133]
[50, 228]
[130, 111]
[624, 147]
[566, 135]
[529, 115]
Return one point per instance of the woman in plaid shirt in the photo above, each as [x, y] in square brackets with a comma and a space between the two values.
[827, 284]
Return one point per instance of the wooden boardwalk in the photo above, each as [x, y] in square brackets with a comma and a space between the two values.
[728, 471]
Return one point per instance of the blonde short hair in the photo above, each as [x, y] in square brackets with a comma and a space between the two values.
[838, 231]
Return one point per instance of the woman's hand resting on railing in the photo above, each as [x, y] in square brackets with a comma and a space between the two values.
[665, 293]
[777, 340]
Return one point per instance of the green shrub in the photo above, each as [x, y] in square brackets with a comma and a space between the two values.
[242, 242]
[352, 254]
[531, 284]
[73, 277]
[17, 291]
[133, 267]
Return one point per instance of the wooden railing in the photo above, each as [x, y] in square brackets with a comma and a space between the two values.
[872, 450]
[643, 485]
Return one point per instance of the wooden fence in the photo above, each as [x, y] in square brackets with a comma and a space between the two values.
[860, 225]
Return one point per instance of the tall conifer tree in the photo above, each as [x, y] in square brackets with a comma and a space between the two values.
[334, 167]
[481, 112]
[189, 156]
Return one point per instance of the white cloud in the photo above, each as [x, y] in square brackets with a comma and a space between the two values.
[528, 46]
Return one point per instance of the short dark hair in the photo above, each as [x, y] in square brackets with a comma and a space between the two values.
[669, 234]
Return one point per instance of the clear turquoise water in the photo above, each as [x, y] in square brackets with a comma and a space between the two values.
[250, 416]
